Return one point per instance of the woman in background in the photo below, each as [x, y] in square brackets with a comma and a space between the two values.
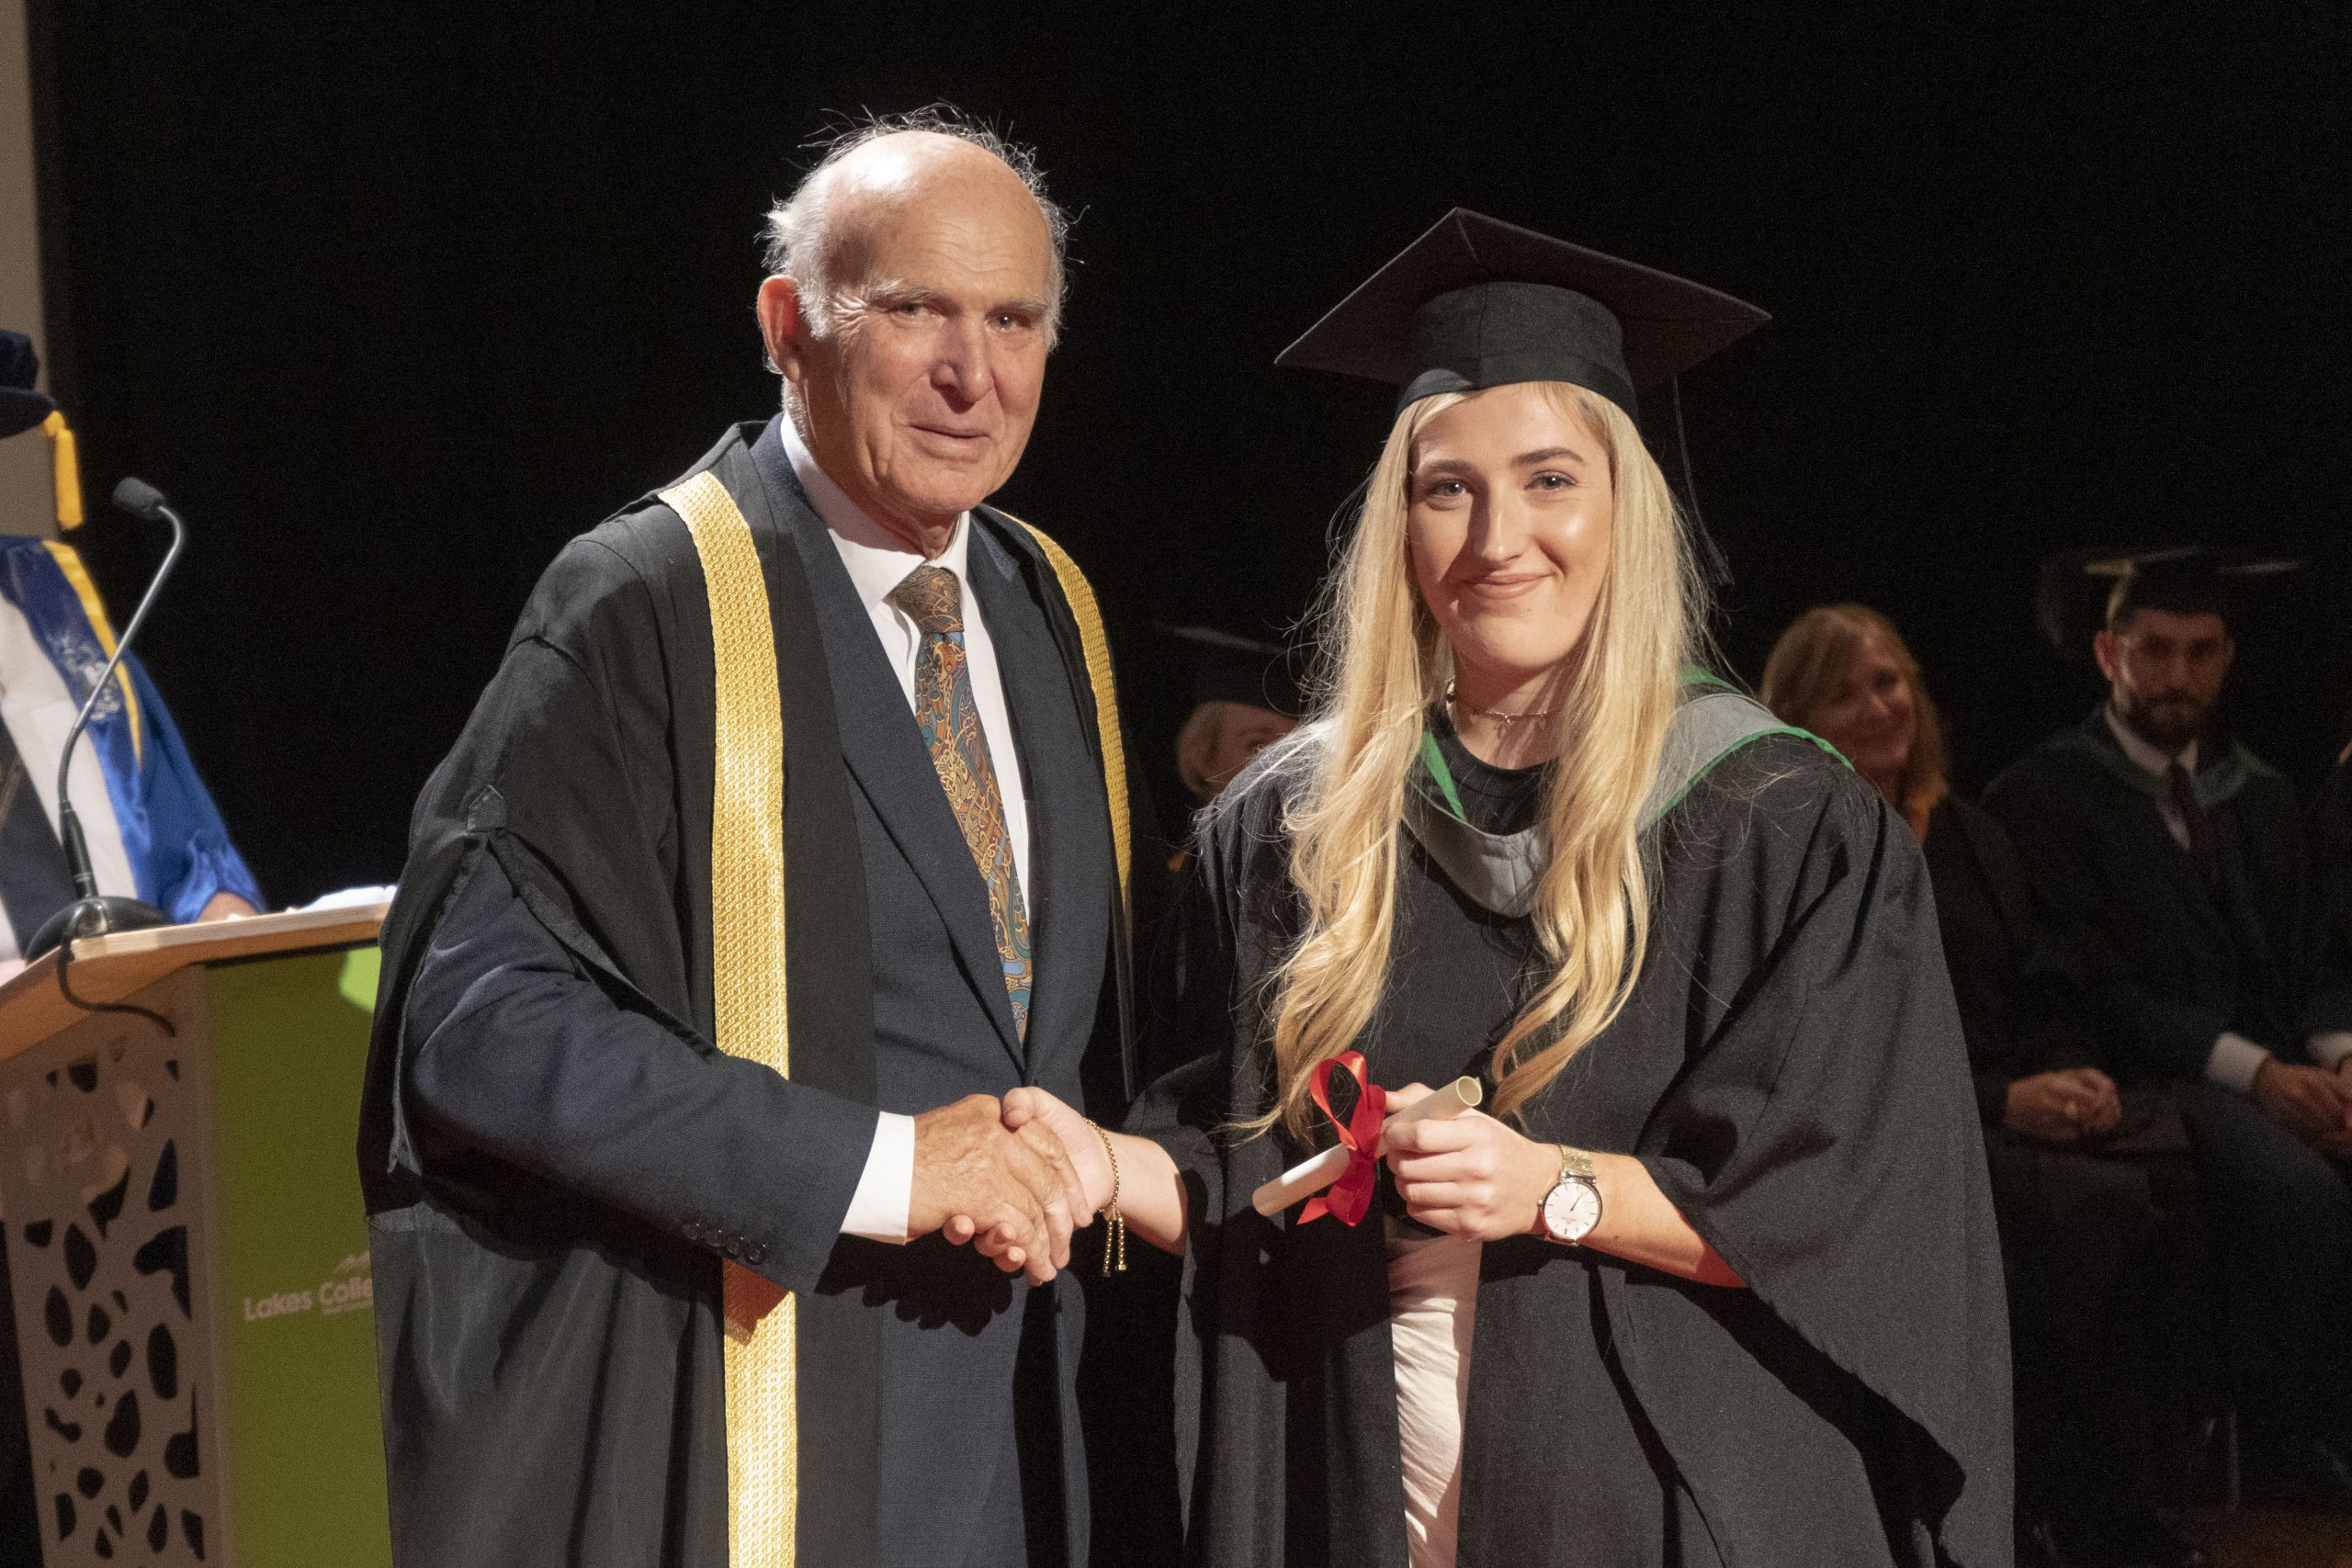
[2087, 1184]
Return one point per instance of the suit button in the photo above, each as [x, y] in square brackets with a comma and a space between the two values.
[759, 1251]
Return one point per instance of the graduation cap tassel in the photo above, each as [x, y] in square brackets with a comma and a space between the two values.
[1714, 567]
[66, 470]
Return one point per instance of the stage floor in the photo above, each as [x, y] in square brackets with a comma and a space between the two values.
[2275, 1538]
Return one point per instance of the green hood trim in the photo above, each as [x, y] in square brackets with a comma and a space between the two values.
[2225, 768]
[1499, 871]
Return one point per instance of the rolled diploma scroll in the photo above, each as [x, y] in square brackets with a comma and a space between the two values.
[1307, 1178]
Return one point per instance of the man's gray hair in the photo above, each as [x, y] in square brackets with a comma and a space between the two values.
[800, 239]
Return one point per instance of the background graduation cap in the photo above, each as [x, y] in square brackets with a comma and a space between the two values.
[2070, 601]
[21, 407]
[1476, 302]
[1231, 668]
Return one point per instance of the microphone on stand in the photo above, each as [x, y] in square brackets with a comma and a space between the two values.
[93, 913]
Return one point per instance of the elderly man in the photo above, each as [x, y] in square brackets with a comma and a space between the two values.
[789, 835]
[2174, 860]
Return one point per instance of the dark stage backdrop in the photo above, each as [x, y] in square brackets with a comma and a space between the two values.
[394, 304]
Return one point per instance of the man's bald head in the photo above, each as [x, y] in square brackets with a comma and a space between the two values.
[915, 293]
[814, 236]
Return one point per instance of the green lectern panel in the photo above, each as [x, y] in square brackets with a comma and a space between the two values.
[289, 1044]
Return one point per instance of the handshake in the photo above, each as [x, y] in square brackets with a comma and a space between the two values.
[1013, 1178]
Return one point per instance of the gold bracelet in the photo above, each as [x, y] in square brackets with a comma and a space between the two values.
[1115, 1238]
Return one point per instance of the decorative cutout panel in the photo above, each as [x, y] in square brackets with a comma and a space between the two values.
[98, 1208]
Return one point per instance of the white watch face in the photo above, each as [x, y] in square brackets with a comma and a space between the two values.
[1571, 1208]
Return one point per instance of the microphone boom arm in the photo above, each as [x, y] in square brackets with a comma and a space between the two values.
[77, 848]
[93, 913]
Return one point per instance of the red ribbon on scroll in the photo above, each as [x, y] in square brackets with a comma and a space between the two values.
[1349, 1197]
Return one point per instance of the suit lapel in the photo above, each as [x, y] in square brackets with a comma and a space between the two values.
[883, 750]
[1068, 864]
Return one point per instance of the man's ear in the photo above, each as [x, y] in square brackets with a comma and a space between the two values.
[778, 308]
[2102, 648]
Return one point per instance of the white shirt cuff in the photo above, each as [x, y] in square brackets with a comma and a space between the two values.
[2330, 1046]
[2234, 1061]
[878, 1209]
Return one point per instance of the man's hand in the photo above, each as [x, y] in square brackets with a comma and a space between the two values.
[2311, 1102]
[975, 1181]
[2063, 1106]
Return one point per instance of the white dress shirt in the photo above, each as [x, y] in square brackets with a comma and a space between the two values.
[2234, 1060]
[878, 561]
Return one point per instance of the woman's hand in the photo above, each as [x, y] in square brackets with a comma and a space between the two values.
[1151, 1193]
[1469, 1174]
[1035, 1113]
[2061, 1107]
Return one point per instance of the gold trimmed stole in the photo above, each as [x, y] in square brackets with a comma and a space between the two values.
[748, 995]
[1096, 650]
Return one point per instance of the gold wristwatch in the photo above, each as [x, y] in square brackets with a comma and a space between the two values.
[1572, 1207]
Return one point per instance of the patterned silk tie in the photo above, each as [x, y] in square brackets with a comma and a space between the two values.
[951, 726]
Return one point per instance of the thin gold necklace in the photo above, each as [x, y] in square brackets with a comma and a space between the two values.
[1503, 721]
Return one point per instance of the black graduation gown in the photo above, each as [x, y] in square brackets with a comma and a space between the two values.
[2331, 898]
[2169, 963]
[551, 1349]
[1790, 1069]
[2104, 1243]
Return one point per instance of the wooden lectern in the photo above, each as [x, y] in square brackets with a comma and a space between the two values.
[186, 1250]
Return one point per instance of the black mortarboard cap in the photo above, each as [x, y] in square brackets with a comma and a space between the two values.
[1476, 302]
[1231, 668]
[21, 407]
[2076, 586]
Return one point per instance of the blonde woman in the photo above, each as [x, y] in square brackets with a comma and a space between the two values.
[1711, 1277]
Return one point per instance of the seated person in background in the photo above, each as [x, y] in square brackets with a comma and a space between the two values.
[2086, 1228]
[2173, 862]
[1245, 698]
[153, 828]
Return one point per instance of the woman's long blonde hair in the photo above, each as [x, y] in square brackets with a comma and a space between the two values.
[1808, 668]
[1385, 666]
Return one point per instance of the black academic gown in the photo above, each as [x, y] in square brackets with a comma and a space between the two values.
[554, 1158]
[1790, 1070]
[2170, 963]
[2105, 1243]
[2331, 897]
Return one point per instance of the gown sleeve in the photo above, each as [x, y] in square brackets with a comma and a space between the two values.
[1823, 1139]
[1231, 1459]
[521, 997]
